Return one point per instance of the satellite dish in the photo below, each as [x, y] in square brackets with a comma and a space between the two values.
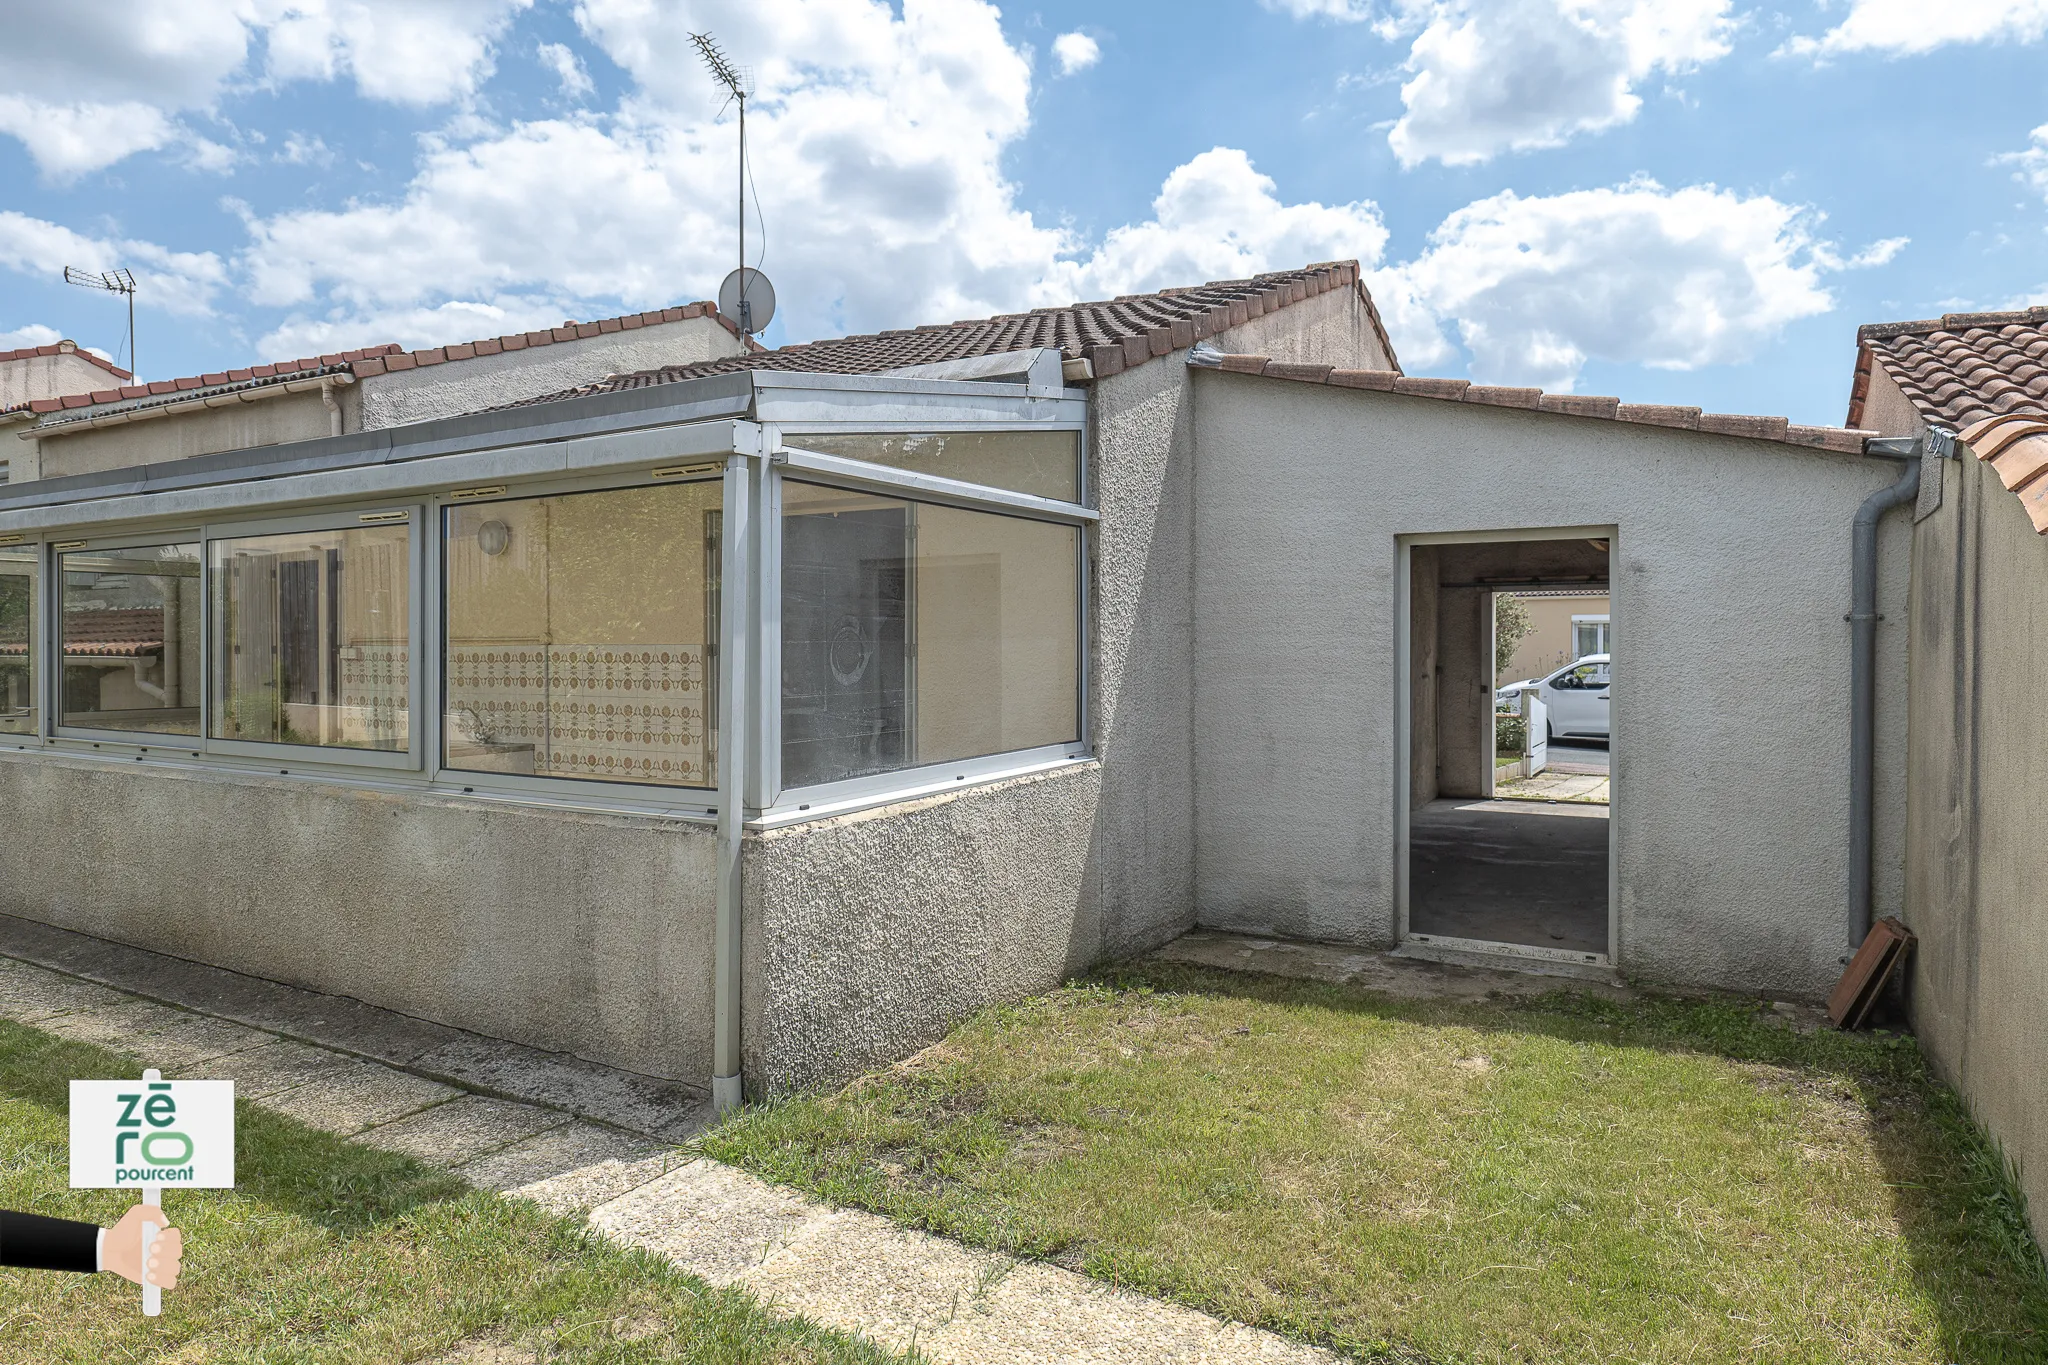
[754, 311]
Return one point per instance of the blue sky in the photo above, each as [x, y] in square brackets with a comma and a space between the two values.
[1687, 201]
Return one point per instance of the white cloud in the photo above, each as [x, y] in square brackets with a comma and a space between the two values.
[568, 69]
[175, 281]
[1497, 75]
[1909, 27]
[2032, 162]
[89, 84]
[1346, 11]
[67, 140]
[1216, 218]
[415, 52]
[306, 149]
[1672, 279]
[1075, 52]
[31, 334]
[1881, 252]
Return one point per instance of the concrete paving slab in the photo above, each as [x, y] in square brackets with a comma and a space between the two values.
[29, 993]
[156, 1035]
[896, 1287]
[357, 1096]
[583, 1188]
[714, 1221]
[277, 1066]
[667, 1110]
[461, 1130]
[1040, 1313]
[572, 1147]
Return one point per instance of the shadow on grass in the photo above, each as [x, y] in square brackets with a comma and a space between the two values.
[1953, 1193]
[327, 1180]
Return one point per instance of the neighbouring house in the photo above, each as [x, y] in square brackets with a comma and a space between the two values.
[1564, 624]
[1976, 779]
[48, 372]
[85, 427]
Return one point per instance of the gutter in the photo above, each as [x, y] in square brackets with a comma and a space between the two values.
[1863, 619]
[324, 385]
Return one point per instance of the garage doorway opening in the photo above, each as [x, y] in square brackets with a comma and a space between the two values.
[1505, 823]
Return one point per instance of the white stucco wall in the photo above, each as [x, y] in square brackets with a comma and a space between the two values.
[488, 381]
[52, 376]
[1731, 579]
[1976, 860]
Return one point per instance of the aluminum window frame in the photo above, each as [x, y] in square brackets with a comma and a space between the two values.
[408, 759]
[32, 548]
[778, 805]
[747, 453]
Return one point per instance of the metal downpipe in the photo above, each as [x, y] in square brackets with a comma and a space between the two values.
[735, 617]
[1863, 687]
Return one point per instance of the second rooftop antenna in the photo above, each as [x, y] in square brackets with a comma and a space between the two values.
[114, 282]
[750, 291]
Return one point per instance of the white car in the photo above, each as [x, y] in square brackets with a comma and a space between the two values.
[1577, 697]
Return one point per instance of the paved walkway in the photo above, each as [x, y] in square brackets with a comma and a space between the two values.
[1556, 784]
[581, 1139]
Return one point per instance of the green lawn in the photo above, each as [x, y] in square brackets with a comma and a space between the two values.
[328, 1251]
[1558, 1180]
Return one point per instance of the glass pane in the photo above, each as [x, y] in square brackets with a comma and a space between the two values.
[582, 634]
[915, 634]
[312, 638]
[1046, 464]
[131, 639]
[17, 641]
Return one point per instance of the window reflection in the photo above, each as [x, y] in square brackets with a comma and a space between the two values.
[130, 632]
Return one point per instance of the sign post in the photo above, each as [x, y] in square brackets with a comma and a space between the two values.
[149, 1134]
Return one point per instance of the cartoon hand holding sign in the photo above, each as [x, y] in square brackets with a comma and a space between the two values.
[145, 1135]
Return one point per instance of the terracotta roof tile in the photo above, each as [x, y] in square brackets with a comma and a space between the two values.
[1961, 368]
[2016, 448]
[1841, 440]
[1112, 335]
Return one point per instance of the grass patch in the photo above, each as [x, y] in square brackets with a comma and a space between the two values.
[1564, 1179]
[329, 1251]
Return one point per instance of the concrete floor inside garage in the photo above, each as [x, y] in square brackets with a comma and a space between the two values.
[1524, 872]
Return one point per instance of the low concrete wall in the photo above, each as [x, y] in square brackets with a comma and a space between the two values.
[869, 936]
[1976, 864]
[580, 933]
[1731, 780]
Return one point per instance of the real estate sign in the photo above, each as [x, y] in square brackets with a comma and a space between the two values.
[132, 1134]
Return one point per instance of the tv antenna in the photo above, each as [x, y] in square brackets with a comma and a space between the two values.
[114, 282]
[746, 294]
